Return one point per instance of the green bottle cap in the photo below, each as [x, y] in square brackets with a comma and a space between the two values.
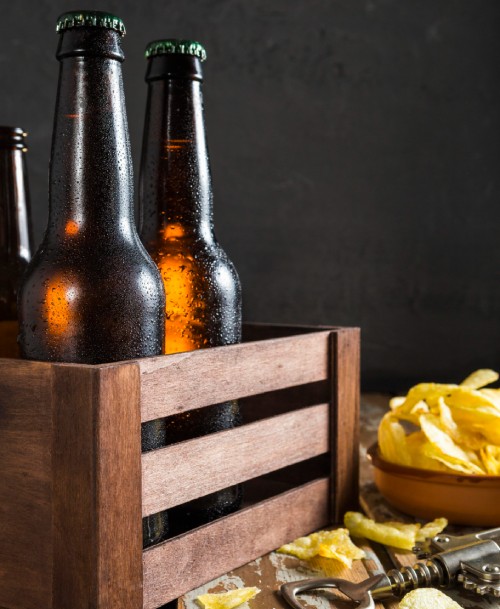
[171, 46]
[90, 19]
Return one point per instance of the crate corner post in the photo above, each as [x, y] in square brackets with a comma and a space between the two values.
[344, 425]
[25, 485]
[97, 532]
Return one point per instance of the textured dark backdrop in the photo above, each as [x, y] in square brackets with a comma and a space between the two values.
[355, 151]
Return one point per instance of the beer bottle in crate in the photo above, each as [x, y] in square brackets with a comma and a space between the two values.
[91, 293]
[15, 232]
[203, 296]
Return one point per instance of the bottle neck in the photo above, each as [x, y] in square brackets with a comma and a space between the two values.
[90, 177]
[15, 225]
[175, 181]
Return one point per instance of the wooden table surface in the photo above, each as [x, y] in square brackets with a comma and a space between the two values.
[270, 571]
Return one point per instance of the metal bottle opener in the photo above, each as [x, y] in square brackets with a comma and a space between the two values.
[471, 560]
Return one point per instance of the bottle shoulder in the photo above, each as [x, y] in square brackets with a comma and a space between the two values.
[98, 252]
[108, 268]
[194, 248]
[202, 257]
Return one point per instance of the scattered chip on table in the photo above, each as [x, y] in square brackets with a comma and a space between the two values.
[227, 600]
[334, 544]
[428, 598]
[396, 534]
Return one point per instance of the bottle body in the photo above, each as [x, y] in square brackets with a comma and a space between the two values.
[92, 305]
[91, 294]
[15, 233]
[203, 294]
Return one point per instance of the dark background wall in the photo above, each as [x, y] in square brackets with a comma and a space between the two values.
[355, 151]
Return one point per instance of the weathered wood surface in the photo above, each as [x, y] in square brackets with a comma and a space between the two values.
[171, 568]
[217, 461]
[173, 384]
[25, 455]
[270, 571]
[97, 510]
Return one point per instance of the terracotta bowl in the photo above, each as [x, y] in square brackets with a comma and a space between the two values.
[467, 500]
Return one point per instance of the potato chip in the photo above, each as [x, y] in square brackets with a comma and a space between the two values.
[406, 527]
[329, 544]
[227, 600]
[361, 526]
[409, 412]
[480, 419]
[463, 436]
[431, 529]
[340, 547]
[470, 398]
[396, 402]
[396, 534]
[327, 566]
[416, 444]
[490, 457]
[303, 547]
[493, 395]
[392, 440]
[443, 449]
[426, 392]
[427, 598]
[480, 378]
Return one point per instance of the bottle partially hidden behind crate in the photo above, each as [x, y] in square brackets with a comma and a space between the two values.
[74, 485]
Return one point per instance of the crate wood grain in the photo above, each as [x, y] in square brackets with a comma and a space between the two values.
[231, 456]
[74, 485]
[230, 372]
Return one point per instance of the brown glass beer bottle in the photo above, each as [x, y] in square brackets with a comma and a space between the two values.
[15, 232]
[92, 294]
[203, 296]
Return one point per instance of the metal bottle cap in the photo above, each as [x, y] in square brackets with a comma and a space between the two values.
[173, 46]
[75, 19]
[12, 138]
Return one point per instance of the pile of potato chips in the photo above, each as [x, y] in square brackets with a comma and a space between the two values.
[452, 428]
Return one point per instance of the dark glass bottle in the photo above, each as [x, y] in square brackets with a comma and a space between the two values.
[203, 295]
[15, 232]
[91, 293]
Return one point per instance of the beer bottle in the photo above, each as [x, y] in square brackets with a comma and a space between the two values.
[15, 232]
[92, 294]
[203, 296]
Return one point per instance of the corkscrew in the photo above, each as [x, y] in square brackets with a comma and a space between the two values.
[470, 560]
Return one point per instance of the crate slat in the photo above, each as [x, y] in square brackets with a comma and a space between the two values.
[217, 461]
[172, 384]
[174, 567]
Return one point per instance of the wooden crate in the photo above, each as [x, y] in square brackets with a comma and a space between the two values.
[71, 469]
